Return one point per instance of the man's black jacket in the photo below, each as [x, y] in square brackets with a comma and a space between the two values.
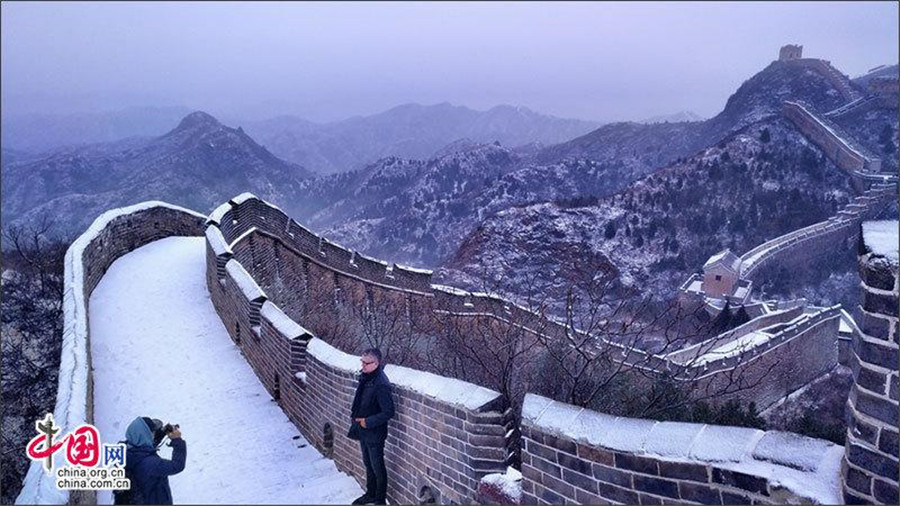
[373, 402]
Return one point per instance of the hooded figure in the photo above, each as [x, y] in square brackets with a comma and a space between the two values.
[148, 471]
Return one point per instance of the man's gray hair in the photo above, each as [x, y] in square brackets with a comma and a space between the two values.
[374, 353]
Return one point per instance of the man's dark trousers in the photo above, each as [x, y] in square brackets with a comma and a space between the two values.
[376, 475]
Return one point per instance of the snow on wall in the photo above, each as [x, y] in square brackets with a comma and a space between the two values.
[881, 238]
[217, 241]
[244, 281]
[254, 215]
[282, 323]
[440, 388]
[457, 429]
[669, 460]
[85, 261]
[219, 213]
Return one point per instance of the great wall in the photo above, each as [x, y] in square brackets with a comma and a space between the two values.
[267, 276]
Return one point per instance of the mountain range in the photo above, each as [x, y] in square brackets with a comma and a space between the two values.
[407, 131]
[647, 201]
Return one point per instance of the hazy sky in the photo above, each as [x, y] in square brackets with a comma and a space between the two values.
[328, 61]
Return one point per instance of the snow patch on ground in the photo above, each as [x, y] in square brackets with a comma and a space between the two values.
[159, 349]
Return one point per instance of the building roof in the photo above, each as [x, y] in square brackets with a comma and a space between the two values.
[725, 258]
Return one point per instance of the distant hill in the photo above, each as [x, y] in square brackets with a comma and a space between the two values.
[643, 148]
[199, 164]
[407, 131]
[678, 117]
[38, 133]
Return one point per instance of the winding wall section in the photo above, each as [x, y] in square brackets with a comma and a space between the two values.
[803, 244]
[111, 235]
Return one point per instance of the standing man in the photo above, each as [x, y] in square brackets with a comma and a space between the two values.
[372, 407]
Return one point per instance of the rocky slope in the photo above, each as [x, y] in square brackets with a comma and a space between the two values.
[663, 227]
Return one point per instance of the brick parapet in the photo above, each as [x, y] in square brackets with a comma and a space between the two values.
[849, 158]
[313, 279]
[798, 245]
[870, 468]
[444, 445]
[574, 455]
[110, 236]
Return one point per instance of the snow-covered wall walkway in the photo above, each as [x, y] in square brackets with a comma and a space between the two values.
[160, 350]
[110, 236]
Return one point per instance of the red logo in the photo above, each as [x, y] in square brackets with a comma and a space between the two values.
[82, 445]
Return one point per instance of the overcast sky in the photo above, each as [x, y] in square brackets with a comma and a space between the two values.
[328, 61]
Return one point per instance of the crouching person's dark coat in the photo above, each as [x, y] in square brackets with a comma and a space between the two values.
[373, 402]
[148, 471]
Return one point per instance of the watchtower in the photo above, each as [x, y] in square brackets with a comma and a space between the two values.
[790, 52]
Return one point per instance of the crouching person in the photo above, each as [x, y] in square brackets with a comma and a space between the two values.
[149, 473]
[372, 407]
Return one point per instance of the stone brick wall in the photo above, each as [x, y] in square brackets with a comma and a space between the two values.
[574, 455]
[111, 235]
[804, 245]
[446, 434]
[309, 287]
[870, 465]
[791, 359]
[848, 158]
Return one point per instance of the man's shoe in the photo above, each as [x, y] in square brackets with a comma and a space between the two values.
[363, 499]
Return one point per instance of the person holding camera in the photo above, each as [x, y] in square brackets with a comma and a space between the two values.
[372, 407]
[149, 473]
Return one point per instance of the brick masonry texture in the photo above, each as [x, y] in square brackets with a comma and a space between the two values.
[568, 459]
[309, 278]
[431, 443]
[870, 468]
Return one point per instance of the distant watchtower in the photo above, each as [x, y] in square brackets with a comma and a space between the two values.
[790, 52]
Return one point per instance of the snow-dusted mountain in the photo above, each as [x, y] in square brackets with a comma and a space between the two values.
[664, 226]
[643, 148]
[756, 178]
[420, 211]
[407, 131]
[678, 117]
[199, 164]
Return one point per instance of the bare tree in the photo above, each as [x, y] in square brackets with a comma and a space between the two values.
[31, 337]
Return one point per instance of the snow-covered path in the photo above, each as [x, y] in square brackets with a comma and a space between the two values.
[160, 350]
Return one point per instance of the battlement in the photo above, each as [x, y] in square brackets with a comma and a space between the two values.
[110, 236]
[575, 455]
[800, 244]
[258, 229]
[837, 147]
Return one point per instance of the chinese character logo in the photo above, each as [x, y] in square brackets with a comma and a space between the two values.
[82, 445]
